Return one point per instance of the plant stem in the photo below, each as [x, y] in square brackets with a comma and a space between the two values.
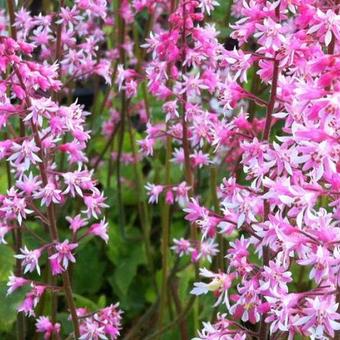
[263, 331]
[165, 236]
[182, 324]
[123, 111]
[11, 13]
[58, 51]
[17, 235]
[142, 205]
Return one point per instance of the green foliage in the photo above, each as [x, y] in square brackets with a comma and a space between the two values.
[89, 271]
[7, 261]
[8, 306]
[127, 269]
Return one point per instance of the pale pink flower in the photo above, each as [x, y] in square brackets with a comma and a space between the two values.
[15, 282]
[76, 222]
[219, 284]
[182, 247]
[154, 191]
[30, 259]
[44, 325]
[63, 256]
[25, 153]
[100, 229]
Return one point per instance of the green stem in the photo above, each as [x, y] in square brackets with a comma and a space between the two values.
[142, 205]
[165, 236]
[124, 110]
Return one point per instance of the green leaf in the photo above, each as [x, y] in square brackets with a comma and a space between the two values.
[127, 268]
[89, 271]
[9, 305]
[82, 301]
[7, 262]
[101, 303]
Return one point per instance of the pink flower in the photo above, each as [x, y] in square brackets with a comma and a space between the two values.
[91, 329]
[32, 299]
[95, 204]
[182, 247]
[147, 146]
[15, 282]
[199, 159]
[60, 260]
[219, 284]
[247, 302]
[270, 34]
[77, 181]
[276, 278]
[321, 261]
[181, 191]
[154, 191]
[192, 85]
[328, 24]
[24, 154]
[320, 317]
[29, 184]
[30, 259]
[76, 222]
[205, 251]
[208, 5]
[123, 75]
[100, 229]
[4, 230]
[194, 211]
[44, 325]
[14, 206]
[48, 194]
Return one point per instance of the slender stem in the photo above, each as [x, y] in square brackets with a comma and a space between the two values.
[106, 147]
[118, 163]
[59, 50]
[183, 328]
[272, 100]
[21, 322]
[142, 205]
[123, 111]
[11, 12]
[185, 138]
[165, 236]
[263, 331]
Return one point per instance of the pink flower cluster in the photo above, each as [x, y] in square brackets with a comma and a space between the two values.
[102, 325]
[44, 147]
[79, 34]
[283, 218]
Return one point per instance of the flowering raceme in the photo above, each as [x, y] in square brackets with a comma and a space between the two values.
[41, 133]
[285, 213]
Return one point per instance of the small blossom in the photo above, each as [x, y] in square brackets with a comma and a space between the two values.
[30, 259]
[154, 191]
[16, 282]
[100, 229]
[45, 326]
[63, 255]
